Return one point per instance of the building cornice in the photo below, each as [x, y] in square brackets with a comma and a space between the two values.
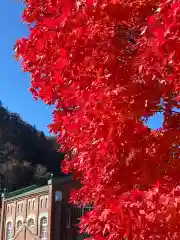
[39, 191]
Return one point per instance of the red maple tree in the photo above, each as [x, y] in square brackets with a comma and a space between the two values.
[108, 66]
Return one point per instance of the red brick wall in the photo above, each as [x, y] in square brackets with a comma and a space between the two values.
[61, 230]
[56, 212]
[19, 209]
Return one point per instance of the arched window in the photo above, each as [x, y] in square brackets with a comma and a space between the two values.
[19, 224]
[31, 222]
[46, 202]
[29, 204]
[18, 207]
[22, 207]
[11, 209]
[8, 208]
[9, 231]
[33, 203]
[41, 203]
[43, 228]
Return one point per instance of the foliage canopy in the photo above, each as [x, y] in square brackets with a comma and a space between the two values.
[109, 65]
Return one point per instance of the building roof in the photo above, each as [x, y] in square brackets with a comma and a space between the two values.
[26, 191]
[22, 190]
[33, 189]
[59, 180]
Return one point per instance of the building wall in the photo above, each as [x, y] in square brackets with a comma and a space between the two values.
[64, 218]
[22, 212]
[69, 214]
[44, 202]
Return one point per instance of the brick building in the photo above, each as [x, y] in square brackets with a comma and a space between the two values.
[35, 213]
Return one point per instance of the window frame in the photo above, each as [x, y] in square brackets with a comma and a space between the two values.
[8, 207]
[29, 204]
[17, 225]
[41, 202]
[43, 231]
[33, 204]
[18, 207]
[9, 231]
[11, 207]
[31, 225]
[81, 211]
[46, 202]
[22, 206]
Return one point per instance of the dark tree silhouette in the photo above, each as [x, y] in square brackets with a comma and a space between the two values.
[27, 156]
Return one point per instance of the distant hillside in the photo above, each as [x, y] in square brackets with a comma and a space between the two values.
[27, 156]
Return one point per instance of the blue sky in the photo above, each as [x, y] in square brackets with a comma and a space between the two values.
[14, 83]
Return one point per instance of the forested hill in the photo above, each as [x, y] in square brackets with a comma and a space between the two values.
[27, 156]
